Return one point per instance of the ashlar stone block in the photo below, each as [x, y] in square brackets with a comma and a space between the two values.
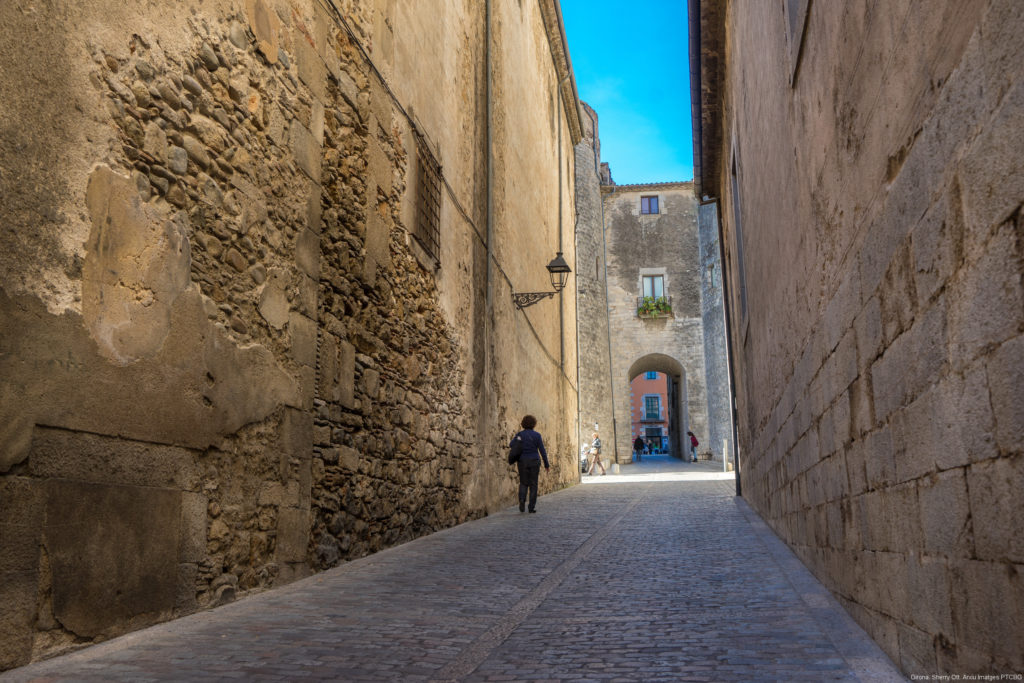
[346, 380]
[945, 514]
[113, 554]
[265, 26]
[986, 299]
[988, 610]
[303, 334]
[947, 426]
[328, 370]
[997, 508]
[917, 650]
[879, 462]
[992, 173]
[296, 437]
[1005, 375]
[306, 150]
[930, 600]
[312, 70]
[192, 547]
[293, 531]
[307, 253]
[18, 593]
[273, 304]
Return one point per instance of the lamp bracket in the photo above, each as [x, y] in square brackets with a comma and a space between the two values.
[524, 299]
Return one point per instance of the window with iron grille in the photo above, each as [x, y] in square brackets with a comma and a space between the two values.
[652, 407]
[652, 375]
[649, 204]
[427, 228]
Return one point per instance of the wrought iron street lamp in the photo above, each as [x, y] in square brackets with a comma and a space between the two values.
[558, 272]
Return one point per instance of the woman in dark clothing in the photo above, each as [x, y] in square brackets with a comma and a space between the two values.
[529, 462]
[638, 448]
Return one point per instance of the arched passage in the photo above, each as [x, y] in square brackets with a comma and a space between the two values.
[678, 423]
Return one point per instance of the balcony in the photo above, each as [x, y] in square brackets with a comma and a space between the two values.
[654, 307]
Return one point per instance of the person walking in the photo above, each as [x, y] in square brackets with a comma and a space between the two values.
[595, 453]
[529, 461]
[638, 449]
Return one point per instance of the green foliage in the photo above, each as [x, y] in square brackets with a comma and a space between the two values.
[654, 307]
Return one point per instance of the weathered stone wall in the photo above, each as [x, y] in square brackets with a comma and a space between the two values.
[674, 344]
[716, 366]
[225, 360]
[591, 296]
[881, 355]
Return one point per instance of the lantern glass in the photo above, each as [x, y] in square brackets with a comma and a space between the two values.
[558, 271]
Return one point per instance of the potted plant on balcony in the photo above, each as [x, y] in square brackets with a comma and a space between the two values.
[654, 307]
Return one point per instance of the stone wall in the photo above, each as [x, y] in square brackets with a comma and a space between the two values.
[880, 354]
[595, 360]
[674, 344]
[716, 366]
[227, 361]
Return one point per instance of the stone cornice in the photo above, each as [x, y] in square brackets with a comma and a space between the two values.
[551, 13]
[647, 187]
[707, 67]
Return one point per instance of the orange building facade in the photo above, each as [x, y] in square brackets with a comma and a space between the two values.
[649, 410]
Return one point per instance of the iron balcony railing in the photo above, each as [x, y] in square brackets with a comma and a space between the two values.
[653, 307]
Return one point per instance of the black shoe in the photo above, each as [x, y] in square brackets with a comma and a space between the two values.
[532, 510]
[522, 507]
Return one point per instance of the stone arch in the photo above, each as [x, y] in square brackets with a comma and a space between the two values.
[677, 399]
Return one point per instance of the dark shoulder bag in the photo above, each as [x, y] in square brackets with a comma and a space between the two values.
[515, 449]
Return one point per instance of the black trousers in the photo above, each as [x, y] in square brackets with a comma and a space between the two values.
[529, 471]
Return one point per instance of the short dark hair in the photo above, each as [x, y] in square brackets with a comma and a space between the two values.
[529, 422]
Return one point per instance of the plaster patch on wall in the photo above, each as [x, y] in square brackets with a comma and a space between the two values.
[137, 263]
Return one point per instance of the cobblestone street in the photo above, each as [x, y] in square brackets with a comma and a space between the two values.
[657, 573]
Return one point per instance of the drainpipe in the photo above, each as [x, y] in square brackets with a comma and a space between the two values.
[489, 305]
[561, 308]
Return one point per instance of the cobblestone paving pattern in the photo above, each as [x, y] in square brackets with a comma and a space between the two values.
[657, 574]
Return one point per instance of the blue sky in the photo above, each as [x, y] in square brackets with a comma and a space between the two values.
[631, 66]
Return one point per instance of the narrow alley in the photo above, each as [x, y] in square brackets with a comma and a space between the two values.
[657, 573]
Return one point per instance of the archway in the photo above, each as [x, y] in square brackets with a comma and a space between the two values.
[676, 390]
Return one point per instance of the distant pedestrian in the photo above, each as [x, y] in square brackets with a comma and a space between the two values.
[529, 462]
[693, 446]
[595, 455]
[638, 449]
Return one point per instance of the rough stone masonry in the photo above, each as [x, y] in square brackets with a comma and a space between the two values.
[226, 361]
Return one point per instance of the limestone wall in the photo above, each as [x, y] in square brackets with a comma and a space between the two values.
[880, 358]
[226, 360]
[667, 243]
[594, 341]
[716, 366]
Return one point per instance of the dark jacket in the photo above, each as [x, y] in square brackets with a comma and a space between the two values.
[533, 446]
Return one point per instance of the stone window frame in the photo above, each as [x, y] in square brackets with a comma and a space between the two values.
[649, 374]
[657, 201]
[794, 14]
[646, 413]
